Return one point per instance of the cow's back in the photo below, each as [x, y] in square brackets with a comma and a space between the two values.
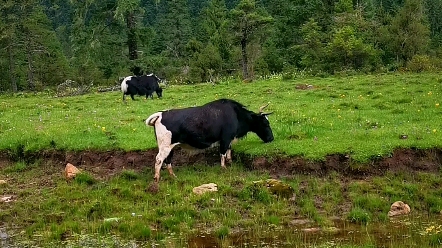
[205, 124]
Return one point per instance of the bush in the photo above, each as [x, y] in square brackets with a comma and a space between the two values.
[420, 63]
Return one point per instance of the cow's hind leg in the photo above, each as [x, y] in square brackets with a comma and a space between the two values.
[165, 146]
[163, 153]
[168, 162]
[229, 155]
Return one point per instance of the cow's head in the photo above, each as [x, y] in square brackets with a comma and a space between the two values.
[159, 92]
[261, 125]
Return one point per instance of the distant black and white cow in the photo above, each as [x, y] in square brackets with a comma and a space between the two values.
[215, 123]
[141, 85]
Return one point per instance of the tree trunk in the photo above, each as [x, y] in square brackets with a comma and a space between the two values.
[11, 70]
[31, 82]
[131, 36]
[132, 43]
[245, 72]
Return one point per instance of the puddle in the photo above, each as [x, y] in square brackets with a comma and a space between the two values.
[397, 232]
[408, 231]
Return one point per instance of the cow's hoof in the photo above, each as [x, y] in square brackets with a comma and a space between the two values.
[156, 179]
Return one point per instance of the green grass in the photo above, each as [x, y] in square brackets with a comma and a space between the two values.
[359, 115]
[363, 116]
[50, 209]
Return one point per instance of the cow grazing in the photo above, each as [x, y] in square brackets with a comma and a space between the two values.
[141, 85]
[215, 123]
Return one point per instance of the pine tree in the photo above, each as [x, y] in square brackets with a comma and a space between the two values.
[248, 21]
[409, 31]
[29, 41]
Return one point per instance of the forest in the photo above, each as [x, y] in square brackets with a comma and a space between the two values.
[44, 43]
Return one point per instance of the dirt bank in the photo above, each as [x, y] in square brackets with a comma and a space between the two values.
[108, 163]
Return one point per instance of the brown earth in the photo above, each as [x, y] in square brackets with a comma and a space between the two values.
[105, 164]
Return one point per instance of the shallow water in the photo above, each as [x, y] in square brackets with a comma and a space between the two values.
[408, 231]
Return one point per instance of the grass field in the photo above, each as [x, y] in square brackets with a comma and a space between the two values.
[362, 116]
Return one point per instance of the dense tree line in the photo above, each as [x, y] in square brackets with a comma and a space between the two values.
[45, 42]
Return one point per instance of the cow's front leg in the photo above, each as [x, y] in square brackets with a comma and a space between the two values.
[223, 150]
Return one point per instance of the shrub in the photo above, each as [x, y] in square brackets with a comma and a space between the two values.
[359, 215]
[420, 63]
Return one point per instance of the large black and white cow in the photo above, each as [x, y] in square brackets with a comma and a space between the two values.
[141, 85]
[215, 123]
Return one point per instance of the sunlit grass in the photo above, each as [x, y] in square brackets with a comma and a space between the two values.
[364, 116]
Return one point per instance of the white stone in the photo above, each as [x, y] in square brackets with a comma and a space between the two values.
[209, 187]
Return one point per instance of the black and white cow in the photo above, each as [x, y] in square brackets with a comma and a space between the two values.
[141, 85]
[215, 123]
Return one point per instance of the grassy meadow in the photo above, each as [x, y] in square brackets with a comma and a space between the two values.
[364, 116]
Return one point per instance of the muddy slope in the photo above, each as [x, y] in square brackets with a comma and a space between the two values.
[108, 163]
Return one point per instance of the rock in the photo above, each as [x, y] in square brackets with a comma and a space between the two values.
[399, 208]
[3, 235]
[113, 219]
[70, 171]
[209, 187]
[311, 229]
[300, 222]
[7, 198]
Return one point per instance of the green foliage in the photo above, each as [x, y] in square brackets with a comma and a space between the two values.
[35, 59]
[248, 23]
[359, 215]
[129, 175]
[435, 240]
[409, 33]
[141, 232]
[46, 43]
[222, 232]
[17, 167]
[85, 178]
[420, 63]
[313, 47]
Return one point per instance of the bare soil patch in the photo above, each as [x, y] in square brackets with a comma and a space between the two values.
[105, 164]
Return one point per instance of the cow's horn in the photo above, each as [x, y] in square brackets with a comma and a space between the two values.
[263, 107]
